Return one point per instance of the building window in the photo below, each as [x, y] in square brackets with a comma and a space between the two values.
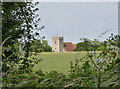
[61, 41]
[55, 42]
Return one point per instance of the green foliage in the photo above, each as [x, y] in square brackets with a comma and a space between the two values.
[38, 46]
[16, 65]
[97, 71]
[19, 23]
[90, 46]
[81, 46]
[12, 25]
[102, 65]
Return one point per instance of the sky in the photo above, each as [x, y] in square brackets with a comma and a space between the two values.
[75, 20]
[76, 0]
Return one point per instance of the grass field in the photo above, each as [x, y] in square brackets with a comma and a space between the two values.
[57, 61]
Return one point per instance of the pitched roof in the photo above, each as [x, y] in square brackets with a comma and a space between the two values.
[68, 46]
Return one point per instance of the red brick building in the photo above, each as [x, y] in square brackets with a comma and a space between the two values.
[69, 46]
[58, 45]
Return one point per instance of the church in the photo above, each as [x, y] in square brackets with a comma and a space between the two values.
[58, 45]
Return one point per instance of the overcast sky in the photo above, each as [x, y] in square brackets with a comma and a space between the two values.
[74, 20]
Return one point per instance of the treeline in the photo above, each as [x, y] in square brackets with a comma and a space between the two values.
[89, 46]
[40, 46]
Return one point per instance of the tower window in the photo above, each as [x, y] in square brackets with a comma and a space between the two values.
[61, 41]
[55, 42]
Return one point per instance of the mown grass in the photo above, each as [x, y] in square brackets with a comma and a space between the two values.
[57, 61]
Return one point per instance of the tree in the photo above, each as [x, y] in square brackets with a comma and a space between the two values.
[47, 48]
[91, 46]
[81, 46]
[40, 46]
[20, 22]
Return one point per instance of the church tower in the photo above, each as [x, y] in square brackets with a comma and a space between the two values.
[57, 44]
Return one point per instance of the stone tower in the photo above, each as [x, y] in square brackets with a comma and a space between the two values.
[57, 44]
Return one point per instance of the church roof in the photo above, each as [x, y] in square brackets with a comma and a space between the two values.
[68, 46]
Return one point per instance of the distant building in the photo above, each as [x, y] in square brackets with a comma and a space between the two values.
[58, 45]
[68, 46]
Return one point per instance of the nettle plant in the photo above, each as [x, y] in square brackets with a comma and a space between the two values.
[99, 66]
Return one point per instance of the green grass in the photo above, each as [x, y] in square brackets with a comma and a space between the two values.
[57, 61]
